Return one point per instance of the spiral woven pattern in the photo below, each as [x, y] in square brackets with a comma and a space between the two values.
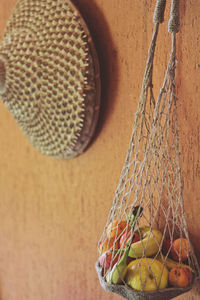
[51, 78]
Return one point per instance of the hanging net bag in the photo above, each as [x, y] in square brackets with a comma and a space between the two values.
[145, 251]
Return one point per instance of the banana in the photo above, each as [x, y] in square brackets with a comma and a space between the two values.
[149, 244]
[170, 263]
[118, 272]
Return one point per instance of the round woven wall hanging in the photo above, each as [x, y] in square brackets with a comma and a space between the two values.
[49, 76]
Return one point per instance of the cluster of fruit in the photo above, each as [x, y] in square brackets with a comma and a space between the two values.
[143, 259]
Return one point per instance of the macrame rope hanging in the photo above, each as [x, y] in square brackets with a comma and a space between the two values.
[148, 203]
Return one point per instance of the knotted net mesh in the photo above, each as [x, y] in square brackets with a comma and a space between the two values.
[145, 243]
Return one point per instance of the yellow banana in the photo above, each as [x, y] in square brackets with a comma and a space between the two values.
[170, 263]
[148, 245]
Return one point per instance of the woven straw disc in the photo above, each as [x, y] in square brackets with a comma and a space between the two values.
[49, 76]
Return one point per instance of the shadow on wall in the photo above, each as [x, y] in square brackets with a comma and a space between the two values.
[107, 55]
[180, 48]
[181, 91]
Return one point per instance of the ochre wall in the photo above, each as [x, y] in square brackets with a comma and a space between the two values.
[52, 213]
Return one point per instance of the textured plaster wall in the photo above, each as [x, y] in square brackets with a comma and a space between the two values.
[52, 213]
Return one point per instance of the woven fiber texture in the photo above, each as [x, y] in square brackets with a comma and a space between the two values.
[49, 76]
[145, 242]
[128, 293]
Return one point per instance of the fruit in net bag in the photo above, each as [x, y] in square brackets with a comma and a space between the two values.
[146, 274]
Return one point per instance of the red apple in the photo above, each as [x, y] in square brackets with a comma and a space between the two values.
[129, 259]
[166, 246]
[107, 260]
[126, 236]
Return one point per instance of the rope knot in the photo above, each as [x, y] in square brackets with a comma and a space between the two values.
[173, 25]
[158, 16]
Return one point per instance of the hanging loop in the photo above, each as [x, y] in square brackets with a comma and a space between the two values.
[174, 22]
[158, 16]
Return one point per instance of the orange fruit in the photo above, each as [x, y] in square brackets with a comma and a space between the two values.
[107, 244]
[126, 236]
[180, 277]
[115, 228]
[180, 249]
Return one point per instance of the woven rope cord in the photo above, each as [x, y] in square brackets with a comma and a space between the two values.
[158, 16]
[174, 22]
[151, 175]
